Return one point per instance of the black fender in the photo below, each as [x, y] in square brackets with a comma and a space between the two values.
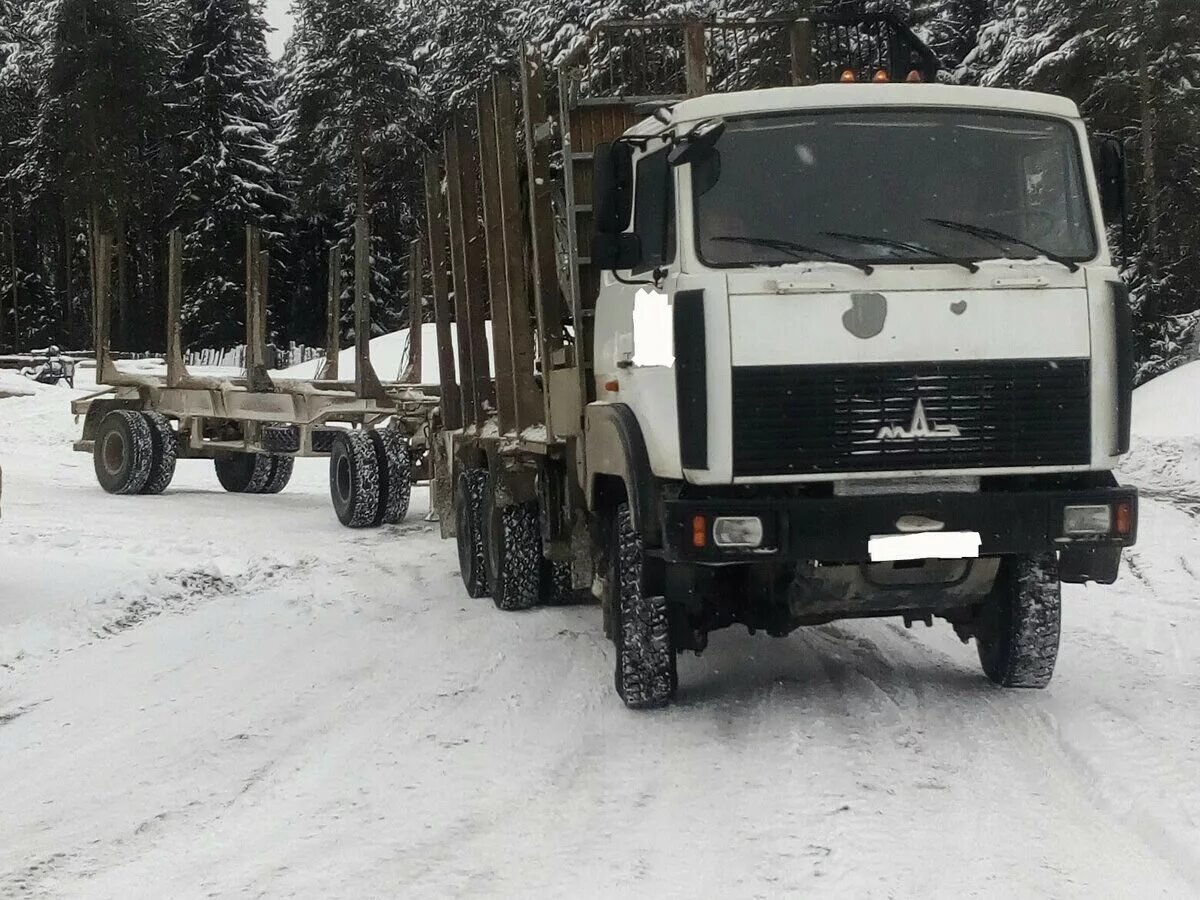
[615, 447]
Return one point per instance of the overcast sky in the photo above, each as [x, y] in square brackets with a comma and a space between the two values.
[279, 14]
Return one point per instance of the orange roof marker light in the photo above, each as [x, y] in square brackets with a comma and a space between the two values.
[915, 77]
[849, 77]
[882, 77]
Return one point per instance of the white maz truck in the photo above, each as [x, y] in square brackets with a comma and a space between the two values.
[853, 347]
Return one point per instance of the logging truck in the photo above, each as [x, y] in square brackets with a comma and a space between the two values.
[783, 332]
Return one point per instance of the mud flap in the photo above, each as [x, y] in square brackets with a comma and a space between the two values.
[1079, 565]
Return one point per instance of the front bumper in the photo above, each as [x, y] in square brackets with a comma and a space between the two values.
[838, 529]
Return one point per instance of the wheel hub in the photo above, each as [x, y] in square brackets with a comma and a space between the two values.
[113, 452]
[343, 478]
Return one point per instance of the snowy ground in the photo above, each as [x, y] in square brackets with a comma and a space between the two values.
[205, 694]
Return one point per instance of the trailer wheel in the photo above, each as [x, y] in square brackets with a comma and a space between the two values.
[514, 554]
[396, 475]
[123, 455]
[472, 486]
[354, 480]
[244, 473]
[558, 583]
[646, 675]
[165, 449]
[1019, 626]
[281, 473]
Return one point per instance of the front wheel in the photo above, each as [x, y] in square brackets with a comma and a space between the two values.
[646, 676]
[1019, 626]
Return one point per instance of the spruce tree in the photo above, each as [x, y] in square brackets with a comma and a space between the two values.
[226, 103]
[351, 110]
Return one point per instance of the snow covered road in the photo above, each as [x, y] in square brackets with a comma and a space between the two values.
[207, 694]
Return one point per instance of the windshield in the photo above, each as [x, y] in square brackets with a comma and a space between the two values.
[877, 187]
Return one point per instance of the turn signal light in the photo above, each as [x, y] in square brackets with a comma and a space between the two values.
[849, 77]
[882, 77]
[699, 532]
[1123, 519]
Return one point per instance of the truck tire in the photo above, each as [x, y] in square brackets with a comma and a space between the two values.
[558, 583]
[472, 486]
[123, 454]
[513, 543]
[396, 475]
[244, 473]
[281, 473]
[646, 675]
[1018, 629]
[165, 450]
[354, 480]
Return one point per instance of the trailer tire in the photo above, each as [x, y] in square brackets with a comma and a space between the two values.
[165, 446]
[244, 473]
[281, 473]
[514, 554]
[354, 480]
[281, 439]
[1017, 633]
[123, 455]
[645, 671]
[396, 475]
[470, 489]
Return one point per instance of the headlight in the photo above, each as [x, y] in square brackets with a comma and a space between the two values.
[1084, 521]
[743, 532]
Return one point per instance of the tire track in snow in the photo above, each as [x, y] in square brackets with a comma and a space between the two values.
[118, 611]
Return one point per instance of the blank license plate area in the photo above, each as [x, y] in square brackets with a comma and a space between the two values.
[929, 545]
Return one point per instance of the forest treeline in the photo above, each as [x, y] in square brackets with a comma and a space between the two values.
[138, 116]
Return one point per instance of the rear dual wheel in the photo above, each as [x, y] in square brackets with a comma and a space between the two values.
[469, 492]
[254, 473]
[370, 478]
[500, 550]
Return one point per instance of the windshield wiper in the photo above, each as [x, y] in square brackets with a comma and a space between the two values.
[969, 264]
[997, 237]
[795, 248]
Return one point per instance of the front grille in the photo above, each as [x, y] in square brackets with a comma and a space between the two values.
[801, 420]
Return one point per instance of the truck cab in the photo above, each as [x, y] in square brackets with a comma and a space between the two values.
[875, 345]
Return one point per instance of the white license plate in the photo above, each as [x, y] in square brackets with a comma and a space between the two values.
[929, 545]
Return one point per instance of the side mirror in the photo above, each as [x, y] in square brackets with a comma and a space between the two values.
[1110, 174]
[612, 199]
[697, 143]
[616, 251]
[612, 186]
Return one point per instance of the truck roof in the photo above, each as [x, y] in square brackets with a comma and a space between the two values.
[841, 96]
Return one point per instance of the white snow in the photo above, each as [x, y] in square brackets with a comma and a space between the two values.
[1166, 434]
[389, 357]
[206, 694]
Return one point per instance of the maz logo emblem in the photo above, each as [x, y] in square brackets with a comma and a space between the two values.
[920, 428]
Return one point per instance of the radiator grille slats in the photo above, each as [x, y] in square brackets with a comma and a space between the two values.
[800, 420]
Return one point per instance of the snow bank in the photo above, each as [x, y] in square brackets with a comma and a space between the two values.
[1165, 456]
[14, 384]
[389, 356]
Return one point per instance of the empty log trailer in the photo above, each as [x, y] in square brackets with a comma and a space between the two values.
[254, 427]
[852, 347]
